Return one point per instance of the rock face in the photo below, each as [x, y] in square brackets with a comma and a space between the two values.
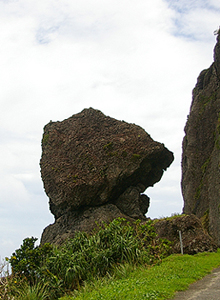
[194, 238]
[201, 149]
[96, 168]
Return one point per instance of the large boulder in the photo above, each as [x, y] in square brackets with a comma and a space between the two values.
[201, 149]
[96, 168]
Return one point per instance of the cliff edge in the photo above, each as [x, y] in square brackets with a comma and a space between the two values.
[201, 150]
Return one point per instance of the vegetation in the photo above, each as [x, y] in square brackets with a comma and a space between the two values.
[205, 220]
[173, 216]
[160, 282]
[118, 261]
[45, 139]
[59, 270]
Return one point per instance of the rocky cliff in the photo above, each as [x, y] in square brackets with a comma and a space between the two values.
[201, 150]
[95, 168]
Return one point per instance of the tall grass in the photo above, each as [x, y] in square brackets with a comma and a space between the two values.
[85, 257]
[3, 278]
[37, 291]
[111, 263]
[159, 282]
[88, 256]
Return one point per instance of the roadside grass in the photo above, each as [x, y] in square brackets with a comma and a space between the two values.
[159, 282]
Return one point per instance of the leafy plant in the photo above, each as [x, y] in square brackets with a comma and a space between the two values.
[27, 260]
[37, 291]
[87, 256]
[159, 282]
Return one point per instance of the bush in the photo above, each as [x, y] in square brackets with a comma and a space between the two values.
[87, 256]
[27, 260]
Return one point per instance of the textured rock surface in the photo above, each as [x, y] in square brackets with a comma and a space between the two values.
[96, 168]
[201, 149]
[194, 238]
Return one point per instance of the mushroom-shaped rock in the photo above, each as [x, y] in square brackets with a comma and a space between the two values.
[96, 168]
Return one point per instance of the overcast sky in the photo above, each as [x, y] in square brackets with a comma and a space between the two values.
[136, 61]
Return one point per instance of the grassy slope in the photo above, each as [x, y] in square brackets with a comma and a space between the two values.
[175, 273]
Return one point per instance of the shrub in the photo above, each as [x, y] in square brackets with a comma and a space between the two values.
[87, 256]
[27, 260]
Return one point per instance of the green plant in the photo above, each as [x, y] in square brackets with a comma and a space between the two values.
[27, 260]
[198, 190]
[155, 248]
[4, 279]
[159, 282]
[45, 139]
[37, 291]
[173, 216]
[88, 256]
[205, 220]
[109, 149]
[205, 165]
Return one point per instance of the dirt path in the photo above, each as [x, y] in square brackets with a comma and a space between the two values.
[207, 288]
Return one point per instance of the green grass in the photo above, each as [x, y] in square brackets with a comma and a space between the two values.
[175, 273]
[114, 262]
[54, 271]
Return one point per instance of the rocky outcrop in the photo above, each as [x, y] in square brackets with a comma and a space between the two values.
[194, 238]
[201, 149]
[96, 168]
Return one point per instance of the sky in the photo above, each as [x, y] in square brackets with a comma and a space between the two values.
[136, 61]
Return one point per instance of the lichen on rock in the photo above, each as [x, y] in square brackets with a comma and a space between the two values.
[96, 168]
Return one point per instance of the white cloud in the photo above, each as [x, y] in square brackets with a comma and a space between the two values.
[195, 19]
[130, 59]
